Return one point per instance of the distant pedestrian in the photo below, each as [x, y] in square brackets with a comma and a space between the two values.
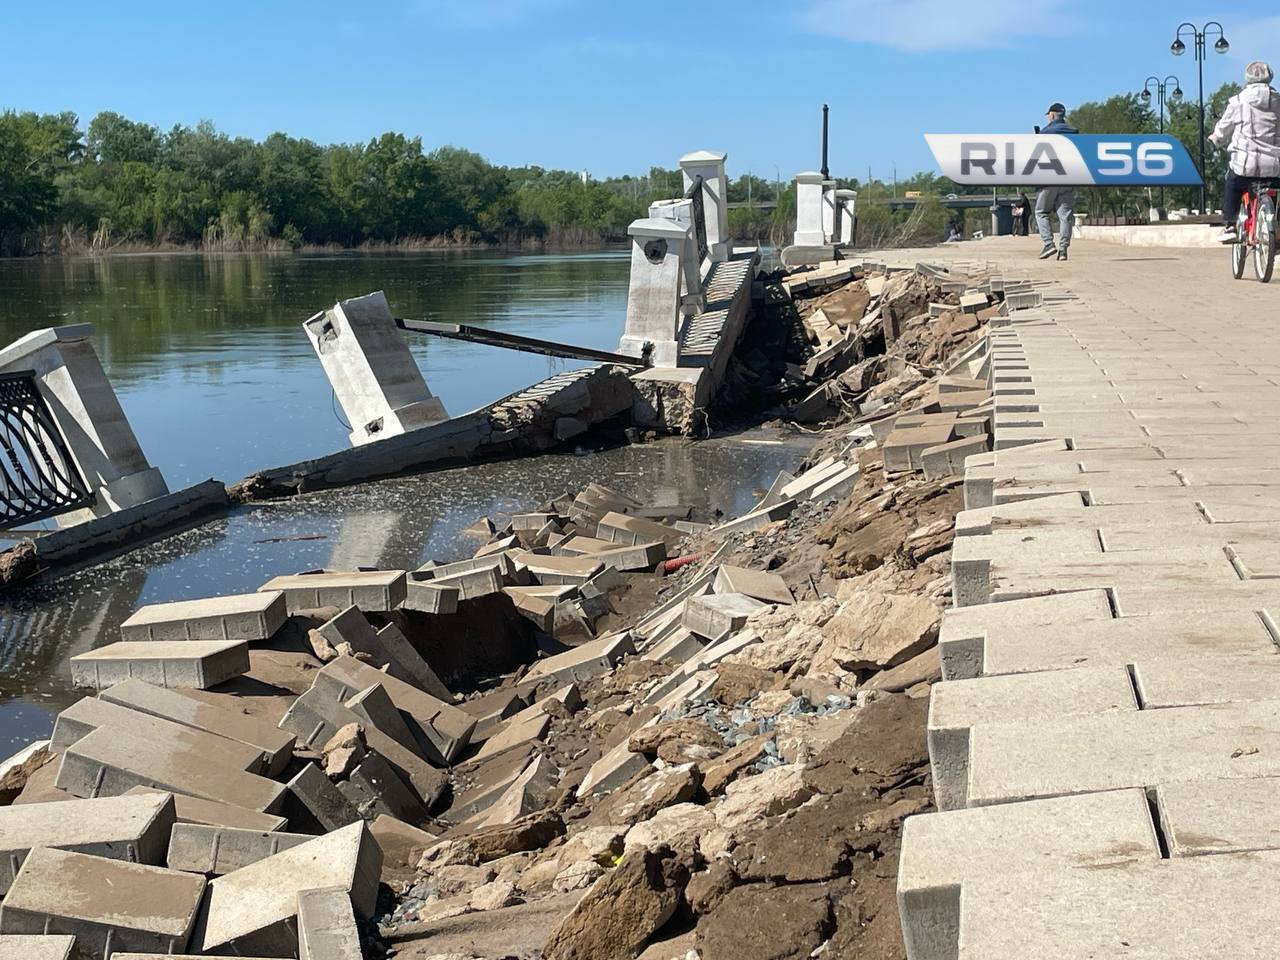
[1061, 200]
[1023, 211]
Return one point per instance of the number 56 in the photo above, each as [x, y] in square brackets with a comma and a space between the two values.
[1154, 159]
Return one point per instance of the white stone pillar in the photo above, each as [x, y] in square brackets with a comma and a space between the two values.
[82, 402]
[692, 299]
[809, 210]
[830, 224]
[374, 375]
[847, 201]
[658, 247]
[715, 198]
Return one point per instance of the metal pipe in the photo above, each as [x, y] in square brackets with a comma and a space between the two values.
[826, 174]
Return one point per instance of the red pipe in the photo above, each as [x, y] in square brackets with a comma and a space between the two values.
[675, 563]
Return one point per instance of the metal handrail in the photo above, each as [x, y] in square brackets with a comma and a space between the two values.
[695, 195]
[38, 477]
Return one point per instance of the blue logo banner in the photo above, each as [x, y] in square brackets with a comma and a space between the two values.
[1079, 160]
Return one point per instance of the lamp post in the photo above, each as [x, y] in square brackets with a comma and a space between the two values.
[1178, 48]
[1161, 87]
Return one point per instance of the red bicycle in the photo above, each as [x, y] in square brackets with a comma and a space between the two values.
[1256, 228]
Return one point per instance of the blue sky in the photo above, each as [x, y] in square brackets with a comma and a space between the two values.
[608, 86]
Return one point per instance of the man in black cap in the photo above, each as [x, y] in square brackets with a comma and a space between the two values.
[1060, 199]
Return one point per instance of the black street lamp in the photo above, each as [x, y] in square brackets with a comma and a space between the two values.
[1178, 48]
[1161, 87]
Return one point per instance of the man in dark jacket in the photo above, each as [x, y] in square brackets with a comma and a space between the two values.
[1059, 199]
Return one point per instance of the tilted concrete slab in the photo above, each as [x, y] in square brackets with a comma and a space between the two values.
[108, 762]
[245, 616]
[275, 744]
[135, 829]
[255, 908]
[372, 590]
[197, 848]
[388, 646]
[955, 706]
[196, 810]
[584, 661]
[719, 614]
[757, 584]
[105, 904]
[943, 852]
[193, 664]
[327, 926]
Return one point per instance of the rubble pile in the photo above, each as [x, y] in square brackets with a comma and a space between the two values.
[617, 730]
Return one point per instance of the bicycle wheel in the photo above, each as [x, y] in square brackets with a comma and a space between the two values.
[1240, 249]
[1264, 254]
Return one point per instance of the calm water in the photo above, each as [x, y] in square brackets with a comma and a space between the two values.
[218, 379]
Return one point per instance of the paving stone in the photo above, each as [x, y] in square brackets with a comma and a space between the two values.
[439, 727]
[943, 852]
[327, 925]
[105, 904]
[719, 614]
[108, 762]
[255, 908]
[198, 848]
[955, 706]
[374, 591]
[757, 584]
[276, 745]
[196, 810]
[198, 664]
[135, 829]
[583, 662]
[36, 947]
[85, 716]
[246, 616]
[1219, 816]
[1009, 762]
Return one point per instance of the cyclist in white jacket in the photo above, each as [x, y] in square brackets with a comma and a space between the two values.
[1251, 124]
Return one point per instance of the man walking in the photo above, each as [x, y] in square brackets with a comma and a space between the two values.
[1056, 199]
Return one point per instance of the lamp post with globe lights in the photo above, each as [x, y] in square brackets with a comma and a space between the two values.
[1178, 48]
[1162, 96]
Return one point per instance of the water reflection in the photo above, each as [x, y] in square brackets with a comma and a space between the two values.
[392, 524]
[216, 375]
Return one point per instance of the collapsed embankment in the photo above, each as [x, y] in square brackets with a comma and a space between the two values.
[623, 729]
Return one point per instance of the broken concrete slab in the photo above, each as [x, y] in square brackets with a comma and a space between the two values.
[371, 590]
[275, 744]
[719, 614]
[387, 646]
[255, 908]
[106, 904]
[955, 706]
[327, 926]
[374, 708]
[135, 829]
[246, 617]
[584, 661]
[108, 762]
[320, 799]
[757, 584]
[90, 714]
[194, 664]
[374, 788]
[199, 848]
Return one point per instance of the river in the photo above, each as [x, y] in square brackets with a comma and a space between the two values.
[213, 369]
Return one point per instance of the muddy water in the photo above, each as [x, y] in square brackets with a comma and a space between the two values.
[394, 524]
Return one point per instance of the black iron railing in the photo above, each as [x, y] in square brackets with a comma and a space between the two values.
[38, 478]
[694, 193]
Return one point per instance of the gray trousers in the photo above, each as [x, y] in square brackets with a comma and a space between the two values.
[1059, 199]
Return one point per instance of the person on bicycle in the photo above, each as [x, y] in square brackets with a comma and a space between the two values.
[1251, 124]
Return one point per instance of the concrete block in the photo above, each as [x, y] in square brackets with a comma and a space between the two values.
[90, 714]
[612, 770]
[537, 608]
[799, 488]
[552, 570]
[1009, 762]
[525, 794]
[583, 662]
[471, 584]
[195, 810]
[1219, 816]
[716, 651]
[198, 848]
[943, 852]
[107, 905]
[490, 710]
[514, 732]
[676, 647]
[402, 847]
[836, 485]
[956, 706]
[324, 802]
[374, 708]
[757, 584]
[108, 762]
[502, 562]
[17, 946]
[374, 788]
[245, 616]
[904, 447]
[751, 522]
[374, 591]
[947, 459]
[719, 614]
[388, 646]
[135, 829]
[636, 557]
[427, 597]
[255, 908]
[194, 664]
[327, 926]
[439, 727]
[625, 529]
[276, 745]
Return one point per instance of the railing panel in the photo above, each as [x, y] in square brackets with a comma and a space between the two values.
[38, 477]
[694, 194]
